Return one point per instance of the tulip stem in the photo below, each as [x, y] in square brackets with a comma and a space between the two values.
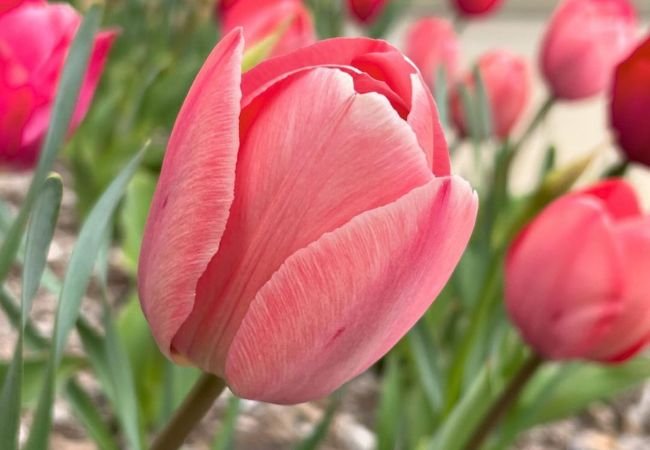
[197, 403]
[503, 403]
[541, 114]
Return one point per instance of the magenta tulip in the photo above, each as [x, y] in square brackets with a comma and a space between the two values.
[630, 105]
[304, 220]
[507, 81]
[431, 43]
[476, 7]
[576, 279]
[261, 18]
[366, 11]
[34, 39]
[584, 42]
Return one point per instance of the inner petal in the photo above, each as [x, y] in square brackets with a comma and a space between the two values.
[314, 154]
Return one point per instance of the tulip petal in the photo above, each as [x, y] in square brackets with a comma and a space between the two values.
[194, 194]
[631, 332]
[314, 155]
[338, 305]
[617, 196]
[569, 253]
[425, 121]
[330, 52]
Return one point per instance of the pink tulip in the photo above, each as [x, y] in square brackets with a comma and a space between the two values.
[576, 279]
[8, 5]
[261, 18]
[584, 42]
[507, 82]
[630, 105]
[34, 40]
[432, 43]
[366, 11]
[476, 7]
[305, 217]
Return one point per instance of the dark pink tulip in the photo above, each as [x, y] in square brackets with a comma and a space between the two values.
[630, 105]
[508, 84]
[261, 18]
[576, 279]
[431, 43]
[584, 42]
[8, 5]
[305, 217]
[476, 7]
[366, 11]
[34, 39]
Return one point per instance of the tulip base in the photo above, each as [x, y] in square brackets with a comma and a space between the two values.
[197, 403]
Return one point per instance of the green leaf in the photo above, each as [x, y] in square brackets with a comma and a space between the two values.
[86, 412]
[39, 237]
[465, 415]
[133, 215]
[388, 423]
[318, 435]
[483, 109]
[75, 284]
[224, 440]
[62, 110]
[422, 348]
[441, 88]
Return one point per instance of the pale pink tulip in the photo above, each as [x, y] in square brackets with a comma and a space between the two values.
[431, 43]
[507, 81]
[261, 18]
[34, 40]
[576, 279]
[305, 217]
[584, 42]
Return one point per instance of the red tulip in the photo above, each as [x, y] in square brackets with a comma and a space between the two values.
[261, 18]
[476, 7]
[630, 106]
[576, 279]
[432, 43]
[366, 11]
[584, 42]
[305, 217]
[34, 39]
[507, 82]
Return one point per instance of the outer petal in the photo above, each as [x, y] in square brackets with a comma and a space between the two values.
[335, 307]
[305, 168]
[16, 107]
[617, 196]
[8, 5]
[631, 331]
[564, 278]
[194, 194]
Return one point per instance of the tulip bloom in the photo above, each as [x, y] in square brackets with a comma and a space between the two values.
[584, 42]
[476, 7]
[507, 82]
[630, 105]
[366, 11]
[432, 43]
[576, 279]
[34, 39]
[261, 18]
[304, 220]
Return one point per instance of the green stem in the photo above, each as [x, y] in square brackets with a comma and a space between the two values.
[197, 403]
[503, 403]
[541, 114]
